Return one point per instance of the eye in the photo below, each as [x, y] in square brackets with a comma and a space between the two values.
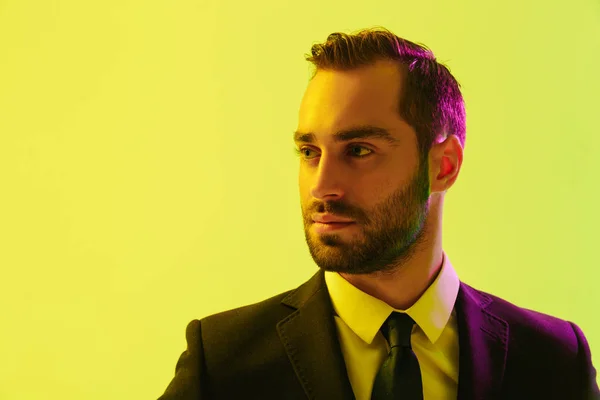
[305, 148]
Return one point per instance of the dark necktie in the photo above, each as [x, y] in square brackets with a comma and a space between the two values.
[399, 376]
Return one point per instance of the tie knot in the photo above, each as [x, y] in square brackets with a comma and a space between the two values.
[397, 329]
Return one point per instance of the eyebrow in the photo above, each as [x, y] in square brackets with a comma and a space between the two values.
[355, 132]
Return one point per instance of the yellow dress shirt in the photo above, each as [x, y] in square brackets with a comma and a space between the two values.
[434, 337]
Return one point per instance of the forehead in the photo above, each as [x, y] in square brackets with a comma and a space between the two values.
[334, 100]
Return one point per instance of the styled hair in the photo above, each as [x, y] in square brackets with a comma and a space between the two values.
[430, 99]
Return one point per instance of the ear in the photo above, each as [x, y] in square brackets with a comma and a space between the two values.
[445, 159]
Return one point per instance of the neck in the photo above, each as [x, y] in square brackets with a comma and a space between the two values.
[407, 283]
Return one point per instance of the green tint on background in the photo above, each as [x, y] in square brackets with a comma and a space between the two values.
[146, 174]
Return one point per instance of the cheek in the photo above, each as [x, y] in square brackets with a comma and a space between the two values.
[304, 192]
[303, 187]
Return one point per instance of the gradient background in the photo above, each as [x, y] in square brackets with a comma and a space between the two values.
[147, 174]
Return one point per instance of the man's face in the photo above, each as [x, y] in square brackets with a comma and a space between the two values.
[386, 193]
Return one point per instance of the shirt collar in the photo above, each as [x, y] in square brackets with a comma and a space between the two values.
[365, 314]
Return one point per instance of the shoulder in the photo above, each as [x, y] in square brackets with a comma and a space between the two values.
[244, 320]
[527, 325]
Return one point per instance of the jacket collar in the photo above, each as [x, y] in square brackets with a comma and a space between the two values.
[310, 340]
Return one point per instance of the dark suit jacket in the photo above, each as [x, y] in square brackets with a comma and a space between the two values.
[286, 347]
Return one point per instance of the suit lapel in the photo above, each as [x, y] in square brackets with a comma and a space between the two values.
[482, 338]
[310, 339]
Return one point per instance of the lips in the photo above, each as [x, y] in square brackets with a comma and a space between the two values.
[322, 228]
[329, 218]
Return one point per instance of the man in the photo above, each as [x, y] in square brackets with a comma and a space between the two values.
[380, 137]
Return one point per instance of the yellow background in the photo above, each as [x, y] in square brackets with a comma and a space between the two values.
[147, 176]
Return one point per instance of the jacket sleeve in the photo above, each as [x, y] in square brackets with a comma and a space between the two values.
[190, 379]
[588, 372]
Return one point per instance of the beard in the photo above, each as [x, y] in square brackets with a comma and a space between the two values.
[395, 231]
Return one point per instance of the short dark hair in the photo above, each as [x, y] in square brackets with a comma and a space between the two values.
[431, 101]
